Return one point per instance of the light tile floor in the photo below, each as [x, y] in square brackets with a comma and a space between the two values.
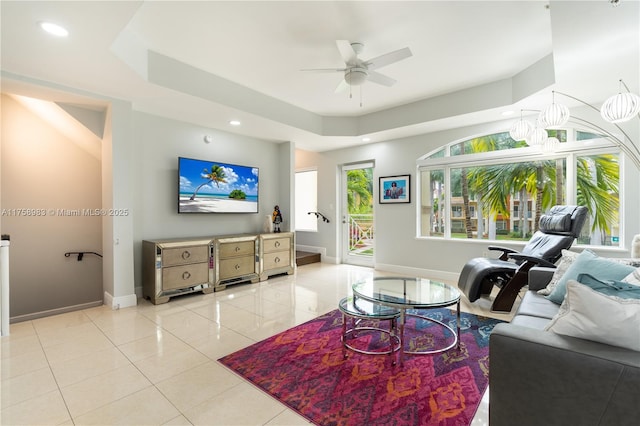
[157, 365]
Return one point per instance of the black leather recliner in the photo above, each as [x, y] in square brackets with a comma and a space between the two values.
[557, 231]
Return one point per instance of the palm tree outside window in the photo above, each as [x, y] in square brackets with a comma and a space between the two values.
[499, 188]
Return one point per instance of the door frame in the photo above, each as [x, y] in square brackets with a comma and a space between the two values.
[345, 255]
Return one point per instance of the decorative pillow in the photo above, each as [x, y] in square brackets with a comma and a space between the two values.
[588, 314]
[588, 262]
[610, 287]
[633, 278]
[565, 261]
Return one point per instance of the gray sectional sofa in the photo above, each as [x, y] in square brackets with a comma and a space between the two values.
[537, 377]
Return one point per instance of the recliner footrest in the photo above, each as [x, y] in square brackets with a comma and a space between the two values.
[477, 270]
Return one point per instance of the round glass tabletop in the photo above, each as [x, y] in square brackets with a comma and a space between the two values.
[407, 293]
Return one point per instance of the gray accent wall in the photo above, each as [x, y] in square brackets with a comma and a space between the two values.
[158, 142]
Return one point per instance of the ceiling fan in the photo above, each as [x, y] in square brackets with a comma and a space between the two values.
[357, 71]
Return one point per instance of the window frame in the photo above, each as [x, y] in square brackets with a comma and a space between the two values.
[570, 151]
[301, 208]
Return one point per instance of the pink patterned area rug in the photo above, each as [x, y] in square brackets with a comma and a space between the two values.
[305, 369]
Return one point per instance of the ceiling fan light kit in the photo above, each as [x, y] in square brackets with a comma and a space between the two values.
[355, 76]
[357, 71]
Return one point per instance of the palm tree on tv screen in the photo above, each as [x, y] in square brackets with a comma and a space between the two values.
[216, 175]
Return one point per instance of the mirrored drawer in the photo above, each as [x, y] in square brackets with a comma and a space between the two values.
[276, 244]
[236, 267]
[276, 260]
[185, 255]
[184, 276]
[239, 248]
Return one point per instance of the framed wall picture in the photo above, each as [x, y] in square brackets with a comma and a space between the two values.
[395, 189]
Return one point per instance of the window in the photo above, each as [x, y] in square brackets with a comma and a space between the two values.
[306, 200]
[496, 188]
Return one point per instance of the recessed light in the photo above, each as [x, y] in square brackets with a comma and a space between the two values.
[234, 122]
[508, 112]
[54, 29]
[366, 139]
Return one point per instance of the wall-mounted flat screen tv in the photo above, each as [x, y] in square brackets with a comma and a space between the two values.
[215, 187]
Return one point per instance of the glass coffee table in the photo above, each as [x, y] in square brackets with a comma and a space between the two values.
[406, 293]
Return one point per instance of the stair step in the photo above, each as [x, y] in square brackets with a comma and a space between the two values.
[305, 258]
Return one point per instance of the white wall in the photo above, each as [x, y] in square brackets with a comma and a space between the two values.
[117, 223]
[397, 247]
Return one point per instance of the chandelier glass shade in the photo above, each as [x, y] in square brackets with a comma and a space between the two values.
[536, 137]
[554, 116]
[520, 130]
[550, 144]
[620, 108]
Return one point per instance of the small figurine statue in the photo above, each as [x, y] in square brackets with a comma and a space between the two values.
[277, 219]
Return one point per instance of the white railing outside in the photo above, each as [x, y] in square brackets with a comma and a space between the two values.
[361, 234]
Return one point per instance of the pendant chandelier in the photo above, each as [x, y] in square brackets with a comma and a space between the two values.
[554, 116]
[621, 107]
[617, 109]
[520, 129]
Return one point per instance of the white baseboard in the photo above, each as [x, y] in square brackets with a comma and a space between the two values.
[57, 311]
[120, 301]
[312, 249]
[448, 277]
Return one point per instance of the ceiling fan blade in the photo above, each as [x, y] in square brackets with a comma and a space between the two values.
[388, 58]
[342, 86]
[346, 51]
[325, 69]
[376, 77]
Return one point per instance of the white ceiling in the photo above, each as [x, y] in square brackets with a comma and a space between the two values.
[207, 62]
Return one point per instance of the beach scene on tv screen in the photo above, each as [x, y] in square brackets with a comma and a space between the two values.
[213, 187]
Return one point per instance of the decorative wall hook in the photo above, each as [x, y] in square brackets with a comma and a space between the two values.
[320, 215]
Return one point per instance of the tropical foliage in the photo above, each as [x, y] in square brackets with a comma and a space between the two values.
[216, 175]
[237, 194]
[494, 187]
[360, 191]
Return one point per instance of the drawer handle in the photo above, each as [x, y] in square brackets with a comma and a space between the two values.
[277, 244]
[186, 275]
[276, 260]
[186, 254]
[237, 249]
[237, 267]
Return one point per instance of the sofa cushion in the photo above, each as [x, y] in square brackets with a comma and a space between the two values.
[591, 315]
[537, 323]
[565, 261]
[535, 305]
[588, 262]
